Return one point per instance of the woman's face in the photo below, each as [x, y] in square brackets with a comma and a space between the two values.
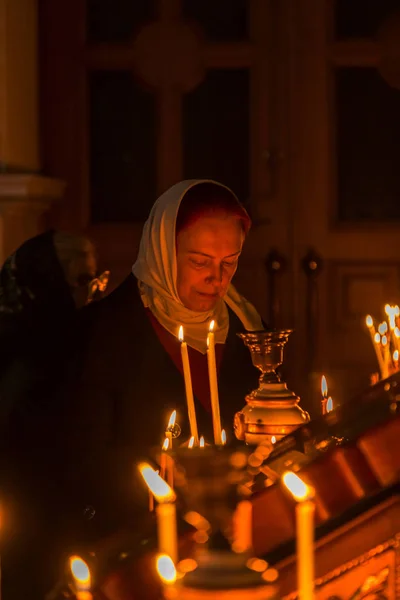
[207, 253]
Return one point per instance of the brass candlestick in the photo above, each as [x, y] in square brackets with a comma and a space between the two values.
[272, 410]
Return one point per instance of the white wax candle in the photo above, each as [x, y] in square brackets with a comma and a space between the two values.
[305, 548]
[167, 530]
[188, 388]
[213, 379]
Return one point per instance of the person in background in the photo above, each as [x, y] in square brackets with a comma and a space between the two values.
[43, 286]
[132, 377]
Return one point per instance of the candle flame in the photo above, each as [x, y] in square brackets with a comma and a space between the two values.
[273, 440]
[212, 325]
[383, 327]
[165, 445]
[180, 334]
[391, 312]
[80, 572]
[156, 484]
[384, 340]
[329, 405]
[397, 332]
[369, 321]
[172, 420]
[396, 355]
[166, 569]
[191, 442]
[296, 486]
[223, 437]
[324, 386]
[377, 338]
[201, 444]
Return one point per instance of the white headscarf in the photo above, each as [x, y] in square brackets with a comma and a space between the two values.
[156, 270]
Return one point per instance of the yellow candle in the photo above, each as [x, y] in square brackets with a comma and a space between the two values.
[188, 387]
[165, 511]
[305, 510]
[243, 527]
[168, 431]
[212, 377]
[324, 392]
[386, 356]
[163, 459]
[378, 352]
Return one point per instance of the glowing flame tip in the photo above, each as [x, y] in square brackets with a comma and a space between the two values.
[180, 334]
[324, 386]
[296, 486]
[202, 443]
[166, 569]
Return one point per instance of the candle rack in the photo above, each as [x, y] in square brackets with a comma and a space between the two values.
[272, 410]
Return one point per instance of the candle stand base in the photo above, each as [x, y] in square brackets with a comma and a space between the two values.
[227, 575]
[272, 410]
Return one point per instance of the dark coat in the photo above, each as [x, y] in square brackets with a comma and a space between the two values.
[128, 387]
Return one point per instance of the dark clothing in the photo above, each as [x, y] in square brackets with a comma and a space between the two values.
[38, 329]
[128, 388]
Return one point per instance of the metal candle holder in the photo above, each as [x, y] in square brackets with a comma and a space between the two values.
[272, 410]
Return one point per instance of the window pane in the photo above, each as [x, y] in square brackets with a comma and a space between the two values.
[368, 146]
[216, 130]
[361, 18]
[115, 20]
[122, 148]
[221, 20]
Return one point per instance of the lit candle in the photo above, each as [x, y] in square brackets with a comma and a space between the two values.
[191, 442]
[82, 579]
[273, 440]
[170, 426]
[329, 405]
[165, 511]
[378, 351]
[305, 510]
[324, 392]
[386, 356]
[201, 443]
[163, 459]
[371, 328]
[166, 569]
[212, 376]
[396, 360]
[223, 437]
[188, 387]
[243, 527]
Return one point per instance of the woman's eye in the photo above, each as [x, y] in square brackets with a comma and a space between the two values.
[230, 264]
[197, 263]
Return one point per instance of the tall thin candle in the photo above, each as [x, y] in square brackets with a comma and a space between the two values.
[305, 509]
[213, 379]
[188, 387]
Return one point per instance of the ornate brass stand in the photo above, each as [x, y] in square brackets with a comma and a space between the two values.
[272, 410]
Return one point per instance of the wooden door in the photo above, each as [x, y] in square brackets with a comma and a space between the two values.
[137, 95]
[343, 196]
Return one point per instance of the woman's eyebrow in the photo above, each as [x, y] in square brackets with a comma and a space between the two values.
[210, 255]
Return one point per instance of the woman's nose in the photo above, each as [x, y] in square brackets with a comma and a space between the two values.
[216, 273]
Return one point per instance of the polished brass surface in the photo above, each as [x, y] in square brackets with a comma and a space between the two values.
[272, 409]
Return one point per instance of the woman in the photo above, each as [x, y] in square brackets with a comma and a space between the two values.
[41, 287]
[132, 378]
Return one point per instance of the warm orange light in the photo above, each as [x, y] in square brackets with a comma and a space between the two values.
[324, 386]
[172, 420]
[212, 325]
[80, 572]
[156, 484]
[180, 334]
[329, 405]
[257, 564]
[165, 445]
[384, 340]
[166, 569]
[201, 444]
[273, 440]
[369, 321]
[191, 442]
[296, 486]
[223, 437]
[383, 327]
[396, 355]
[397, 332]
[377, 338]
[187, 565]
